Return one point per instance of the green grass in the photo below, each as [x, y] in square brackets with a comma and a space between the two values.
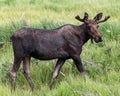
[101, 61]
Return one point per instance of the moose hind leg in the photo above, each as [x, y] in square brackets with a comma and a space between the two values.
[58, 66]
[26, 71]
[13, 72]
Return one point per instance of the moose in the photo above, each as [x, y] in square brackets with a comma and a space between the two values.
[61, 43]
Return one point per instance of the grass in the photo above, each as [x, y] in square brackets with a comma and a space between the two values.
[101, 61]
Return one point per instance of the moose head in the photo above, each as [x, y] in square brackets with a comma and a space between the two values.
[92, 25]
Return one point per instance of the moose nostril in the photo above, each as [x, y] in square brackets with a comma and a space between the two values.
[98, 39]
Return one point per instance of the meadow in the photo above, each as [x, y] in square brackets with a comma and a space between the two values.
[101, 61]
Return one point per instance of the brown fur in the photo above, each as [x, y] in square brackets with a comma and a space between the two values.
[61, 43]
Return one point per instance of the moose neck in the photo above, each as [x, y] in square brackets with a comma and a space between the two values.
[84, 33]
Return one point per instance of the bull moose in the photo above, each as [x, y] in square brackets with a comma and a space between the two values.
[61, 43]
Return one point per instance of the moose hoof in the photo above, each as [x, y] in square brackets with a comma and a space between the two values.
[84, 76]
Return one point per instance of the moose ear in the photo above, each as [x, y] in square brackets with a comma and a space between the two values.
[98, 16]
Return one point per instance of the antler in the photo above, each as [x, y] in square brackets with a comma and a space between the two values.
[84, 18]
[78, 18]
[105, 19]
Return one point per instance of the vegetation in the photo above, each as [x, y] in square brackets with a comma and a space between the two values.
[101, 61]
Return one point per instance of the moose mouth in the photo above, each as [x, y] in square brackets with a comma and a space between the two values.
[97, 40]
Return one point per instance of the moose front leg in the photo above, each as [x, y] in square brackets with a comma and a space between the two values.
[58, 66]
[79, 66]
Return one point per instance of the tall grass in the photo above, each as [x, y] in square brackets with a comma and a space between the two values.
[101, 61]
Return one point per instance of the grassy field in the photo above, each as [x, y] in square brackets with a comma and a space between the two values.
[101, 61]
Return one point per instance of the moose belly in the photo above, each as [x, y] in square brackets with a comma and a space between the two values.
[48, 55]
